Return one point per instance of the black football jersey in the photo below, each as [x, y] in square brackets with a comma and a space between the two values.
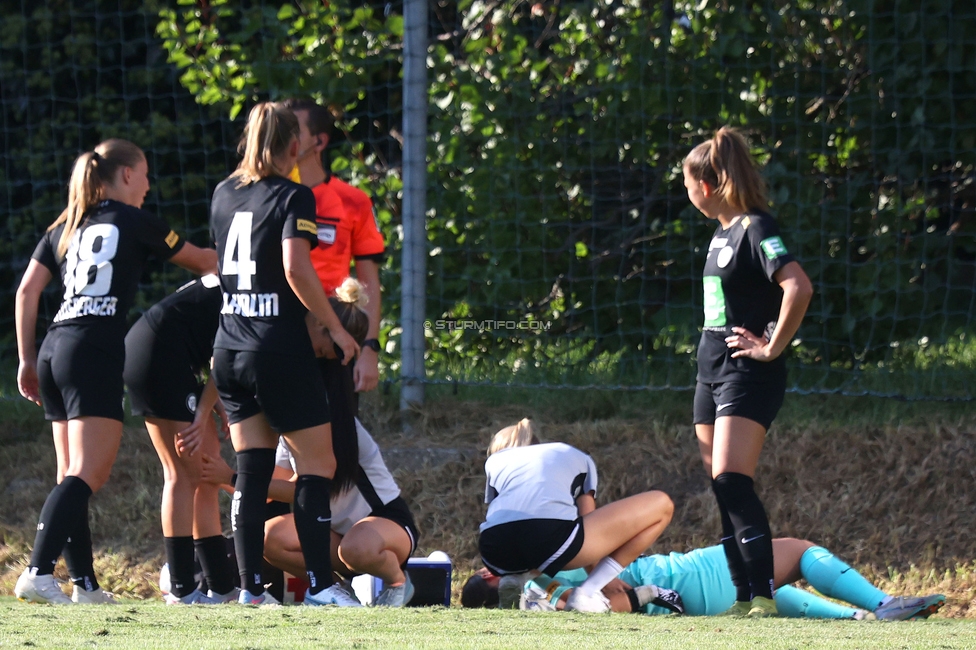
[739, 291]
[101, 269]
[260, 312]
[190, 314]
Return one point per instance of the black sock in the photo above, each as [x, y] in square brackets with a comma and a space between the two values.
[752, 532]
[179, 556]
[737, 567]
[59, 518]
[313, 521]
[247, 514]
[77, 554]
[217, 571]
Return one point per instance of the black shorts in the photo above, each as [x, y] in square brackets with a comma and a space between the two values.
[757, 402]
[519, 546]
[160, 376]
[77, 379]
[288, 390]
[398, 512]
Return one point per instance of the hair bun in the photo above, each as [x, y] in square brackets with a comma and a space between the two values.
[352, 291]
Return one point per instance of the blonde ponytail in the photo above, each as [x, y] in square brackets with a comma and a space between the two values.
[352, 291]
[348, 304]
[269, 130]
[724, 162]
[521, 434]
[92, 172]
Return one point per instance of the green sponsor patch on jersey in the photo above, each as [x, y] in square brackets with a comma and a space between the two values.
[773, 247]
[714, 301]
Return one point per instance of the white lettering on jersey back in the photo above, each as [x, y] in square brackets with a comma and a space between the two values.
[250, 305]
[86, 306]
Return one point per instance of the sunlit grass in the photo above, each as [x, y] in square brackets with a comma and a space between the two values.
[152, 625]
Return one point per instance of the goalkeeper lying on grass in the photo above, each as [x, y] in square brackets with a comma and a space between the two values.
[701, 578]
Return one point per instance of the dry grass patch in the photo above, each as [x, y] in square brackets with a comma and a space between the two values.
[894, 500]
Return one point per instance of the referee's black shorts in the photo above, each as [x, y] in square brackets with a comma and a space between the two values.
[160, 375]
[759, 402]
[77, 379]
[288, 390]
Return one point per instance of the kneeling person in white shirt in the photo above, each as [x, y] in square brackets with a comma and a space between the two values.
[542, 518]
[372, 528]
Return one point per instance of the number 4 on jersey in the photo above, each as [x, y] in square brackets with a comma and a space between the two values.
[239, 238]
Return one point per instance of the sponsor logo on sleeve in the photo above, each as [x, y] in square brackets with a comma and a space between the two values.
[773, 247]
[172, 239]
[305, 225]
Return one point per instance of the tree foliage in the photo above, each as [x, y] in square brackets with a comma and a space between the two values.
[556, 135]
[73, 74]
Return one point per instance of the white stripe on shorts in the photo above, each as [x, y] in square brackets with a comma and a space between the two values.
[562, 549]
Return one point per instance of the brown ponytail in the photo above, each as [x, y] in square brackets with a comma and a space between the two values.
[724, 162]
[269, 130]
[92, 172]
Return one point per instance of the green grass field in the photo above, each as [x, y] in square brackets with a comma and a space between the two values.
[138, 625]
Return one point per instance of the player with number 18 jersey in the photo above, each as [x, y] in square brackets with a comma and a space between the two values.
[100, 273]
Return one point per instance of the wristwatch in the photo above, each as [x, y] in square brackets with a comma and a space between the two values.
[372, 344]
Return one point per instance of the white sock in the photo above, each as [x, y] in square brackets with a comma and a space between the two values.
[606, 570]
[645, 593]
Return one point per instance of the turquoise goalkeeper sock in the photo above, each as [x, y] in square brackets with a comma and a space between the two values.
[835, 579]
[797, 603]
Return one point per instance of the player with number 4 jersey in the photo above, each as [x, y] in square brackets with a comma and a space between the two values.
[264, 365]
[755, 296]
[98, 247]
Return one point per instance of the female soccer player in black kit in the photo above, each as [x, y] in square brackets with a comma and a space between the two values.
[755, 296]
[164, 352]
[98, 247]
[264, 367]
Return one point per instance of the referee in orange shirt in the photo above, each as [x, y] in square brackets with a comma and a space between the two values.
[347, 229]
